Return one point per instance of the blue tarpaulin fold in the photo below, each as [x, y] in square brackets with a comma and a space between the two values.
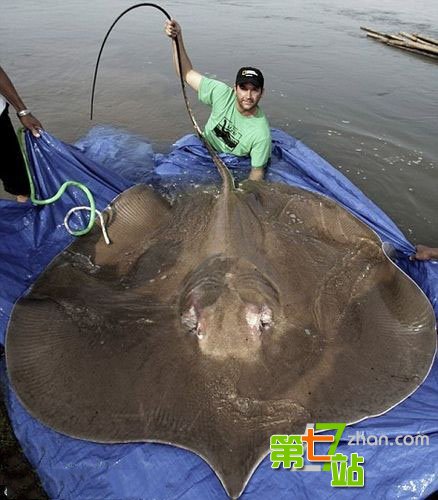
[108, 161]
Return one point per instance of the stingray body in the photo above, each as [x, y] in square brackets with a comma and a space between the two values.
[217, 321]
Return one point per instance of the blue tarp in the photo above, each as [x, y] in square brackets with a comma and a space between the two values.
[108, 161]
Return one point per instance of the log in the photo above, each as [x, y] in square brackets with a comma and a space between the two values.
[408, 36]
[416, 45]
[381, 38]
[415, 38]
[419, 40]
[427, 39]
[386, 35]
[372, 31]
[406, 42]
[415, 51]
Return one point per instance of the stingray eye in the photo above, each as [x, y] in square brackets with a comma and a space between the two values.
[189, 318]
[190, 321]
[265, 317]
[258, 317]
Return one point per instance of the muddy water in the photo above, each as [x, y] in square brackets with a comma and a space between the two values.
[371, 110]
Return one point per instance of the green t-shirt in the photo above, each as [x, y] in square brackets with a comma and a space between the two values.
[228, 131]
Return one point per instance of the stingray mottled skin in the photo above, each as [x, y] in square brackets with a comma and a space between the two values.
[218, 321]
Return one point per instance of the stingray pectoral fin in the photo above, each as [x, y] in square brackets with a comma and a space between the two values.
[381, 351]
[93, 374]
[307, 213]
[372, 327]
[41, 343]
[131, 220]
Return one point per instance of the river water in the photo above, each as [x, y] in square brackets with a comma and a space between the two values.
[369, 109]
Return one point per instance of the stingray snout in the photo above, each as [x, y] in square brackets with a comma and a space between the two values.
[229, 327]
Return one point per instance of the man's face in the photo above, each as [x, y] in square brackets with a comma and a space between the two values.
[247, 97]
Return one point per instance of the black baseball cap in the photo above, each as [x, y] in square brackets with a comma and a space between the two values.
[250, 75]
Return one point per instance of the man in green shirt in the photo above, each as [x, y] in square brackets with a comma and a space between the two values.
[236, 124]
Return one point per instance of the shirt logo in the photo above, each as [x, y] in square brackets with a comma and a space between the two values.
[228, 133]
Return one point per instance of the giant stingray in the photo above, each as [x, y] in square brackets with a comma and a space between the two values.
[217, 321]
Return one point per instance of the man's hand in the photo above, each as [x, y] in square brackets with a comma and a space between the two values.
[172, 28]
[32, 124]
[189, 75]
[424, 253]
[256, 174]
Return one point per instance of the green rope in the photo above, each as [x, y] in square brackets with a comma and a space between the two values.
[60, 192]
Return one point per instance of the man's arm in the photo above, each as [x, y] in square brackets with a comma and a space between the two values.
[423, 252]
[260, 154]
[190, 75]
[257, 174]
[7, 90]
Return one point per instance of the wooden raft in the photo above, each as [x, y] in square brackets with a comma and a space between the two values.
[414, 42]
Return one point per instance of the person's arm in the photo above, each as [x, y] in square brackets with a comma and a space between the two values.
[7, 90]
[257, 174]
[190, 75]
[423, 252]
[260, 154]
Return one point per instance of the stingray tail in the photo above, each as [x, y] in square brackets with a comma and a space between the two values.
[227, 178]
